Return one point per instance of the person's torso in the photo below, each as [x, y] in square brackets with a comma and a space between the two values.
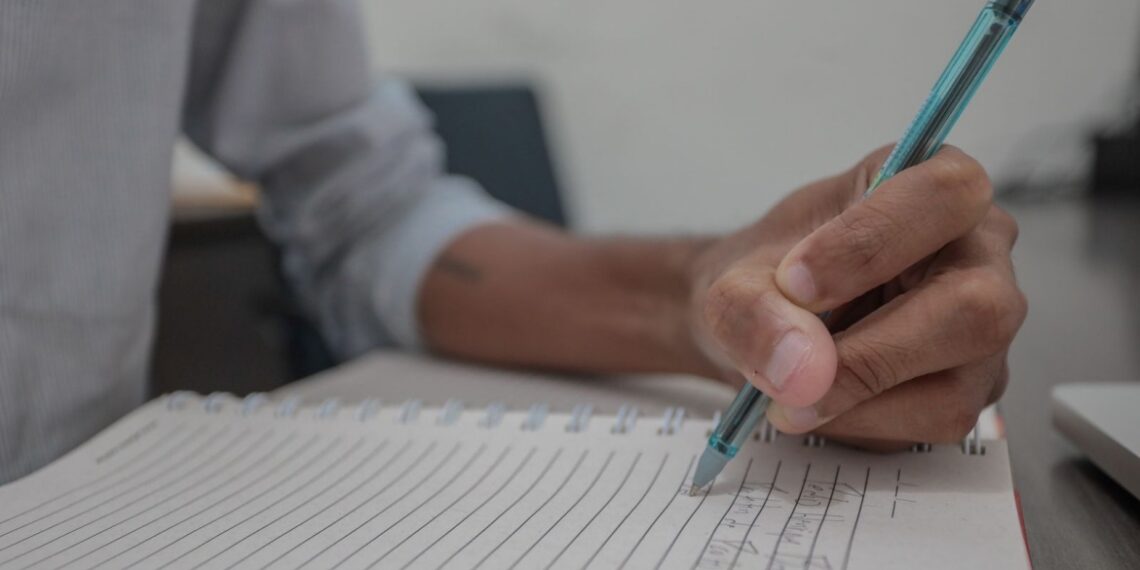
[90, 94]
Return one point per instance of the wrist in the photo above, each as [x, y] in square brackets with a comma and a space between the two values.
[687, 263]
[656, 279]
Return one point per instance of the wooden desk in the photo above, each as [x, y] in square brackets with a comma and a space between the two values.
[1079, 264]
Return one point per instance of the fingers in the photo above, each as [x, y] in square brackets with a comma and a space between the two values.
[962, 314]
[910, 217]
[905, 415]
[780, 348]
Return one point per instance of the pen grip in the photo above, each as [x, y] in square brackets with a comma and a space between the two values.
[739, 420]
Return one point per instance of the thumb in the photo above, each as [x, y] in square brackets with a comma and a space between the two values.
[781, 348]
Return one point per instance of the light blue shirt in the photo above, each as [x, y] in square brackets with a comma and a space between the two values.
[92, 98]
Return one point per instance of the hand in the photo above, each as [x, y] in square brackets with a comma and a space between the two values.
[922, 292]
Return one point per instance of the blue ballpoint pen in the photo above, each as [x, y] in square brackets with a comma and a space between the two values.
[957, 85]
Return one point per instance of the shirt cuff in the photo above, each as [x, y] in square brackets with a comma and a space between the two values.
[451, 207]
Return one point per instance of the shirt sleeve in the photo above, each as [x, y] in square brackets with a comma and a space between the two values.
[280, 92]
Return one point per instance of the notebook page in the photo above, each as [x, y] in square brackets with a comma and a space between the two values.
[192, 489]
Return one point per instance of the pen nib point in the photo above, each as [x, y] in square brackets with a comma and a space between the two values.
[709, 466]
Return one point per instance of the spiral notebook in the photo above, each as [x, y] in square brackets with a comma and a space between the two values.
[217, 482]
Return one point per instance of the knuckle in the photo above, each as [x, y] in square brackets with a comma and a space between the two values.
[962, 178]
[865, 371]
[1005, 224]
[993, 309]
[961, 171]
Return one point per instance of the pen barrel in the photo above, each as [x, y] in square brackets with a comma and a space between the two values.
[955, 88]
[739, 421]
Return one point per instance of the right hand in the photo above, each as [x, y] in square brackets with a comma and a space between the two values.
[921, 285]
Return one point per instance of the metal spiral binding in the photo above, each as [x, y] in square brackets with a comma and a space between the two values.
[767, 432]
[288, 407]
[922, 448]
[367, 409]
[671, 421]
[972, 445]
[626, 419]
[450, 413]
[812, 440]
[409, 411]
[328, 409]
[579, 418]
[178, 400]
[215, 402]
[493, 416]
[253, 402]
[535, 417]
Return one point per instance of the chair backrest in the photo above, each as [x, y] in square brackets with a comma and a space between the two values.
[495, 135]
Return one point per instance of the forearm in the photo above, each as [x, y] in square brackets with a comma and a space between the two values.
[522, 294]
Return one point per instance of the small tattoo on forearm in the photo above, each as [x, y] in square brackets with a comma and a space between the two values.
[459, 269]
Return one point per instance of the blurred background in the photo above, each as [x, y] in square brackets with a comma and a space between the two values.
[666, 116]
[655, 116]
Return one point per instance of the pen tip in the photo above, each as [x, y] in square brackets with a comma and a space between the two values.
[709, 466]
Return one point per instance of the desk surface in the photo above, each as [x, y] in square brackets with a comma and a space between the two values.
[1078, 263]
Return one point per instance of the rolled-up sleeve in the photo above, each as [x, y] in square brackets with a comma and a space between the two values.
[280, 92]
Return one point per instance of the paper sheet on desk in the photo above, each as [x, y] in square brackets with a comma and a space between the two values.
[191, 489]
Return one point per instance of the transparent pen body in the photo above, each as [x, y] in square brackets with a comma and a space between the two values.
[957, 85]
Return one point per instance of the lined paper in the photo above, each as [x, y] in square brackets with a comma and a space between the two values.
[237, 487]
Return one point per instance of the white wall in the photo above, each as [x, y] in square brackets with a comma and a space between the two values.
[674, 115]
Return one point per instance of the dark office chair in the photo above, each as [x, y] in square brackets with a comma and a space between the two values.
[250, 336]
[495, 136]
